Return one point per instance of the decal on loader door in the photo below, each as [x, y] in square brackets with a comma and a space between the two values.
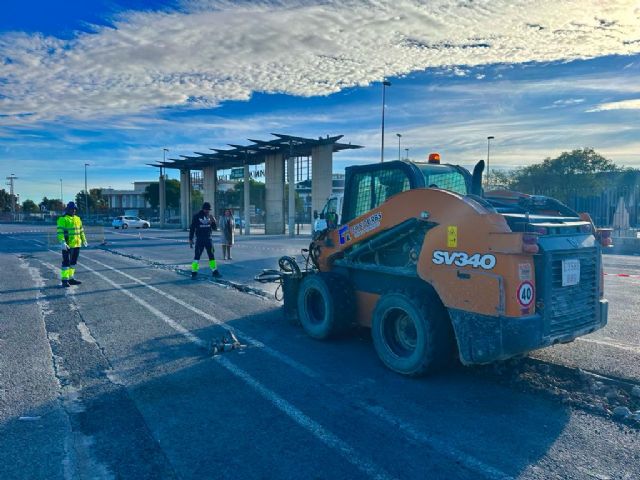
[452, 236]
[462, 259]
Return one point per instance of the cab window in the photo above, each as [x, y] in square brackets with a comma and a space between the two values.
[368, 190]
[445, 178]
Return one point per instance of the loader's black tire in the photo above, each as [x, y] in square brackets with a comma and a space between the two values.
[412, 333]
[326, 305]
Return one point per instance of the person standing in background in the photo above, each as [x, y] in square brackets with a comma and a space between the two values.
[70, 235]
[202, 225]
[228, 225]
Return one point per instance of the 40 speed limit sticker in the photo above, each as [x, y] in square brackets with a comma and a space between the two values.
[525, 294]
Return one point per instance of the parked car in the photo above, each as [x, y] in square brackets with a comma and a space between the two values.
[133, 222]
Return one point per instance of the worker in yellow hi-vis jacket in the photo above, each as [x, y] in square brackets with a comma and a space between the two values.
[71, 237]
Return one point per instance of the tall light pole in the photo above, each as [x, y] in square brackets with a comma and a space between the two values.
[162, 189]
[407, 153]
[399, 137]
[86, 192]
[385, 84]
[61, 197]
[489, 138]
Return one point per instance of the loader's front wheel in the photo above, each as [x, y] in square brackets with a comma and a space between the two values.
[325, 305]
[411, 332]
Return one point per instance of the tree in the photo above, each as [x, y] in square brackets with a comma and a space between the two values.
[172, 189]
[29, 206]
[5, 201]
[196, 200]
[256, 194]
[52, 204]
[95, 201]
[570, 171]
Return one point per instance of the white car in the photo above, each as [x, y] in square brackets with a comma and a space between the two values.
[133, 222]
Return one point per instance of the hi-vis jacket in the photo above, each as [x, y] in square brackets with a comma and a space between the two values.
[70, 231]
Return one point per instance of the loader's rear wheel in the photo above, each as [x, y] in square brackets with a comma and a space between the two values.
[326, 305]
[412, 333]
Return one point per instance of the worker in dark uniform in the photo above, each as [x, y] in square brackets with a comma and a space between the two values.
[70, 235]
[201, 227]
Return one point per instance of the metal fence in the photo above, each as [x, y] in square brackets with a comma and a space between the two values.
[615, 207]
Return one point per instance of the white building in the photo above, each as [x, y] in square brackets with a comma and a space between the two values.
[127, 198]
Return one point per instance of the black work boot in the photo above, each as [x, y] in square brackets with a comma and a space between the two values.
[73, 281]
[65, 284]
[216, 273]
[194, 275]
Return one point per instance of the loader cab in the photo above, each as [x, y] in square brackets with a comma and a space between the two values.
[368, 186]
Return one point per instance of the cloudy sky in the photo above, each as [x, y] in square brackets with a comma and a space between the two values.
[113, 82]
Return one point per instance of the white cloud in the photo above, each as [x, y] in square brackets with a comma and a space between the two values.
[633, 104]
[213, 51]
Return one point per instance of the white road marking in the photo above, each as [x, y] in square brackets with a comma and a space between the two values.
[451, 452]
[468, 461]
[252, 341]
[608, 343]
[288, 409]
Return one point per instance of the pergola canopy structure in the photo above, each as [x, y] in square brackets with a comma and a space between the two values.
[255, 153]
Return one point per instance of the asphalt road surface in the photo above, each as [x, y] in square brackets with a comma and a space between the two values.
[115, 379]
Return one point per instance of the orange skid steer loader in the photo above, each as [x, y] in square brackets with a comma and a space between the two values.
[438, 268]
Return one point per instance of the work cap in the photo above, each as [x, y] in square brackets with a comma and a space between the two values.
[71, 206]
[206, 206]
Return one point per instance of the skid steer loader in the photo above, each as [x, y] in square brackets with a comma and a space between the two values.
[437, 268]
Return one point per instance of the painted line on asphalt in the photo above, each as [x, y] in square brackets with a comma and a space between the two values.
[620, 346]
[252, 341]
[287, 408]
[441, 447]
[625, 275]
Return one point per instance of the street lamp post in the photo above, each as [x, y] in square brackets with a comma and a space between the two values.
[407, 153]
[162, 189]
[61, 197]
[86, 192]
[385, 84]
[489, 138]
[399, 137]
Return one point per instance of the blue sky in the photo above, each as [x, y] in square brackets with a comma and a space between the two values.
[112, 83]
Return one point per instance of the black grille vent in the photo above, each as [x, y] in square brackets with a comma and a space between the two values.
[573, 307]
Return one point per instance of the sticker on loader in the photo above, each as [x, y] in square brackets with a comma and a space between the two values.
[452, 236]
[525, 294]
[366, 225]
[524, 271]
[344, 235]
[462, 259]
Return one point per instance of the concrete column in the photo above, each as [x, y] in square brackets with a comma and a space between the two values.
[163, 200]
[291, 180]
[321, 179]
[209, 183]
[247, 201]
[274, 192]
[185, 198]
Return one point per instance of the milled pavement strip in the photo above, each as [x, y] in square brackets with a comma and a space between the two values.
[80, 459]
[292, 412]
[439, 446]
